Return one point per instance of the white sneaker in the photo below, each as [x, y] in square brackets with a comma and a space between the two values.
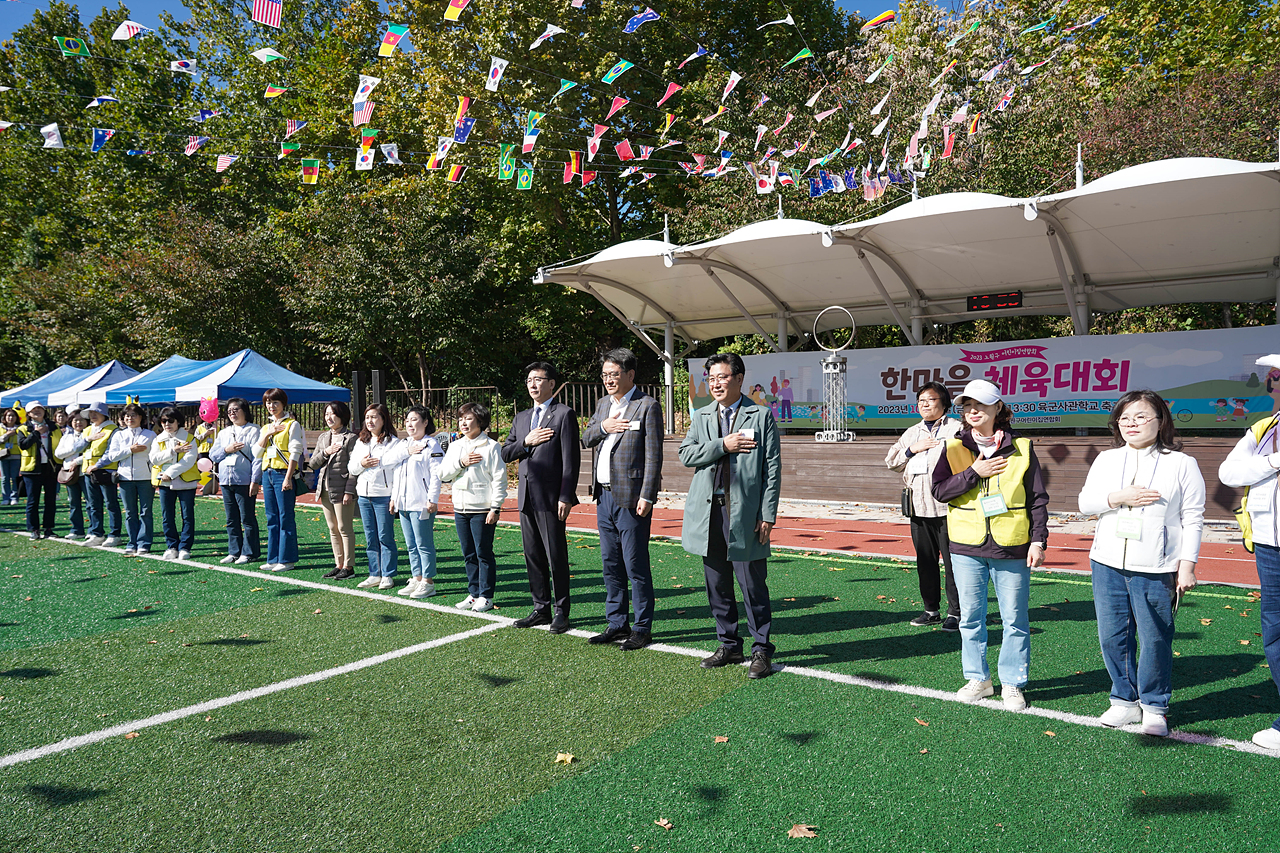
[230, 558]
[482, 604]
[410, 588]
[1120, 715]
[1154, 724]
[424, 589]
[386, 583]
[184, 555]
[170, 553]
[129, 551]
[975, 690]
[111, 542]
[144, 552]
[1012, 697]
[1268, 739]
[73, 536]
[94, 541]
[242, 559]
[371, 581]
[465, 604]
[282, 567]
[268, 567]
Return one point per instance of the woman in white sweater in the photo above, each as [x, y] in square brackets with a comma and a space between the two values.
[373, 460]
[1149, 498]
[174, 473]
[130, 449]
[416, 496]
[479, 476]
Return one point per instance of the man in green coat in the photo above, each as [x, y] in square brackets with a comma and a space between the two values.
[732, 505]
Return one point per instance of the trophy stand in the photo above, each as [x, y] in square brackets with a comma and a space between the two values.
[835, 368]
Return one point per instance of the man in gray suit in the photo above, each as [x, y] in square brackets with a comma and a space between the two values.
[625, 438]
[731, 507]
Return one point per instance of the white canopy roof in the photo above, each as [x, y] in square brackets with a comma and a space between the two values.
[1184, 230]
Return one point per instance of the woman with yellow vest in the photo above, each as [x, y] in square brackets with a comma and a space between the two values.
[37, 438]
[281, 447]
[101, 485]
[129, 452]
[10, 457]
[174, 473]
[997, 523]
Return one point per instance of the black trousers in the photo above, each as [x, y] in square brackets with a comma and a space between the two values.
[546, 557]
[45, 479]
[751, 577]
[929, 535]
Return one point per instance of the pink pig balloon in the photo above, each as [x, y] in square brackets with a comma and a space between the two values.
[209, 410]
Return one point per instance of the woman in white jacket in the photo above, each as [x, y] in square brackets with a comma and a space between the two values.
[130, 449]
[173, 465]
[415, 496]
[68, 450]
[373, 460]
[1149, 498]
[479, 476]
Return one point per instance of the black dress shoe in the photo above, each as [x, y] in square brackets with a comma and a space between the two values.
[637, 640]
[723, 656]
[612, 635]
[761, 664]
[537, 617]
[560, 624]
[344, 574]
[332, 573]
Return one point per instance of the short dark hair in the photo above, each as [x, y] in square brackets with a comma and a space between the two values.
[388, 431]
[276, 394]
[1166, 437]
[1004, 416]
[135, 409]
[425, 414]
[944, 395]
[342, 410]
[243, 404]
[478, 412]
[546, 367]
[621, 356]
[169, 413]
[731, 360]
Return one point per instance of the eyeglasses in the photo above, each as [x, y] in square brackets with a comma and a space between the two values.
[612, 374]
[719, 378]
[1136, 420]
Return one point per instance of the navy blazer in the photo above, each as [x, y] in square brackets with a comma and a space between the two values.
[635, 466]
[548, 472]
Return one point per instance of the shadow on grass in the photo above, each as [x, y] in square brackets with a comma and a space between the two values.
[175, 572]
[87, 580]
[801, 738]
[59, 795]
[293, 590]
[387, 618]
[233, 641]
[263, 737]
[28, 672]
[9, 624]
[136, 614]
[496, 681]
[1180, 804]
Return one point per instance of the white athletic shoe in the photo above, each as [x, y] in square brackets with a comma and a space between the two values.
[1268, 739]
[465, 604]
[1154, 724]
[170, 553]
[184, 555]
[975, 690]
[410, 588]
[282, 567]
[482, 604]
[129, 551]
[242, 559]
[230, 558]
[1120, 715]
[369, 582]
[268, 567]
[1012, 698]
[111, 542]
[94, 541]
[386, 583]
[424, 589]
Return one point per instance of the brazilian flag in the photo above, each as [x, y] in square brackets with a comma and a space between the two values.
[525, 179]
[506, 162]
[72, 46]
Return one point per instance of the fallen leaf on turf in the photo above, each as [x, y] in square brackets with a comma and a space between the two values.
[207, 719]
[679, 612]
[148, 607]
[1227, 607]
[131, 736]
[151, 571]
[1051, 607]
[135, 610]
[152, 642]
[1177, 654]
[879, 598]
[186, 644]
[679, 586]
[244, 636]
[316, 611]
[664, 823]
[1050, 734]
[15, 576]
[256, 589]
[921, 722]
[28, 598]
[1244, 642]
[837, 569]
[721, 739]
[924, 752]
[564, 758]
[788, 599]
[802, 830]
[1206, 621]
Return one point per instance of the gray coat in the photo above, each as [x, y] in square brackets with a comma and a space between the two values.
[332, 477]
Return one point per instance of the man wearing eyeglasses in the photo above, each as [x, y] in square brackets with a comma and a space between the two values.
[625, 438]
[732, 505]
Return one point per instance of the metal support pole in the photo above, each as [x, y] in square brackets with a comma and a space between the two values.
[1079, 165]
[884, 294]
[741, 308]
[357, 395]
[1278, 300]
[377, 388]
[1077, 326]
[917, 322]
[669, 377]
[782, 333]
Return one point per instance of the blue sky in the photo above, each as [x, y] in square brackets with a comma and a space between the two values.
[146, 12]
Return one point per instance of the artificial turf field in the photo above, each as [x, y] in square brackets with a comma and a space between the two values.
[443, 729]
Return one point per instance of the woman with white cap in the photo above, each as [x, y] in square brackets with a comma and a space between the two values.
[1254, 463]
[997, 524]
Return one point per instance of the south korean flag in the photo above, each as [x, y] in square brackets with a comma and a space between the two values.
[364, 159]
[497, 68]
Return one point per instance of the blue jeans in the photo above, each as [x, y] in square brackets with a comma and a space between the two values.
[242, 522]
[98, 496]
[1136, 608]
[282, 527]
[1268, 558]
[476, 540]
[139, 496]
[420, 541]
[10, 466]
[75, 501]
[185, 540]
[379, 536]
[1012, 580]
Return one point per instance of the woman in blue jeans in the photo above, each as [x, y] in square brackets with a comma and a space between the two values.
[130, 451]
[240, 476]
[174, 473]
[281, 446]
[373, 460]
[68, 450]
[11, 461]
[1149, 499]
[473, 464]
[997, 523]
[416, 496]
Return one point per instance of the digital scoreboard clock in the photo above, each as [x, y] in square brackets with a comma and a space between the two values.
[996, 301]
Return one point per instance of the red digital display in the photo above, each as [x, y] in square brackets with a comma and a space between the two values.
[996, 301]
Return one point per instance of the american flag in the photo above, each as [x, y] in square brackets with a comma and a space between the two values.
[194, 143]
[268, 12]
[225, 160]
[363, 112]
[292, 126]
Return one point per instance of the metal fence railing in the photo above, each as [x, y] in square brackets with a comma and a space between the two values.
[583, 397]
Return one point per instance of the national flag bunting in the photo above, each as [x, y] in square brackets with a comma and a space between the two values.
[973, 124]
[524, 180]
[1043, 25]
[287, 148]
[804, 54]
[991, 75]
[666, 124]
[875, 111]
[972, 27]
[813, 99]
[879, 128]
[310, 171]
[1031, 68]
[464, 104]
[5, 125]
[701, 51]
[720, 110]
[531, 121]
[364, 88]
[787, 20]
[100, 137]
[827, 114]
[100, 100]
[71, 46]
[734, 77]
[204, 115]
[462, 129]
[588, 177]
[455, 9]
[623, 150]
[443, 144]
[266, 55]
[274, 91]
[551, 30]
[530, 140]
[1005, 99]
[618, 69]
[361, 113]
[186, 66]
[1089, 23]
[785, 122]
[497, 67]
[950, 143]
[225, 160]
[943, 73]
[392, 153]
[127, 30]
[367, 135]
[395, 32]
[875, 75]
[506, 161]
[618, 103]
[194, 143]
[364, 159]
[879, 20]
[643, 18]
[672, 88]
[292, 126]
[565, 85]
[268, 12]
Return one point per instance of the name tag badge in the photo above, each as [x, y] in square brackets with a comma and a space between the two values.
[748, 433]
[993, 505]
[1129, 527]
[633, 426]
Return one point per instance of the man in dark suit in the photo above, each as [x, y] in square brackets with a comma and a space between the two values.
[732, 505]
[625, 436]
[544, 440]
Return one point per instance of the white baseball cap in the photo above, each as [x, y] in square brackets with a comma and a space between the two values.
[981, 390]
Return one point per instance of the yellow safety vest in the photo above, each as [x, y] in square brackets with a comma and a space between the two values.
[30, 455]
[279, 458]
[1242, 514]
[98, 448]
[192, 473]
[205, 434]
[965, 521]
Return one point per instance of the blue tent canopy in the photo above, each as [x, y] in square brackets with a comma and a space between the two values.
[39, 389]
[247, 374]
[108, 374]
[155, 385]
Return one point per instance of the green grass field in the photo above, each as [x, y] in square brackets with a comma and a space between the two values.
[431, 740]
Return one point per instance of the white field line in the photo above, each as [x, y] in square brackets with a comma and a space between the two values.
[242, 696]
[501, 621]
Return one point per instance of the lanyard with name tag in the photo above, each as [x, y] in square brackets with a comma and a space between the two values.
[993, 505]
[1129, 524]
